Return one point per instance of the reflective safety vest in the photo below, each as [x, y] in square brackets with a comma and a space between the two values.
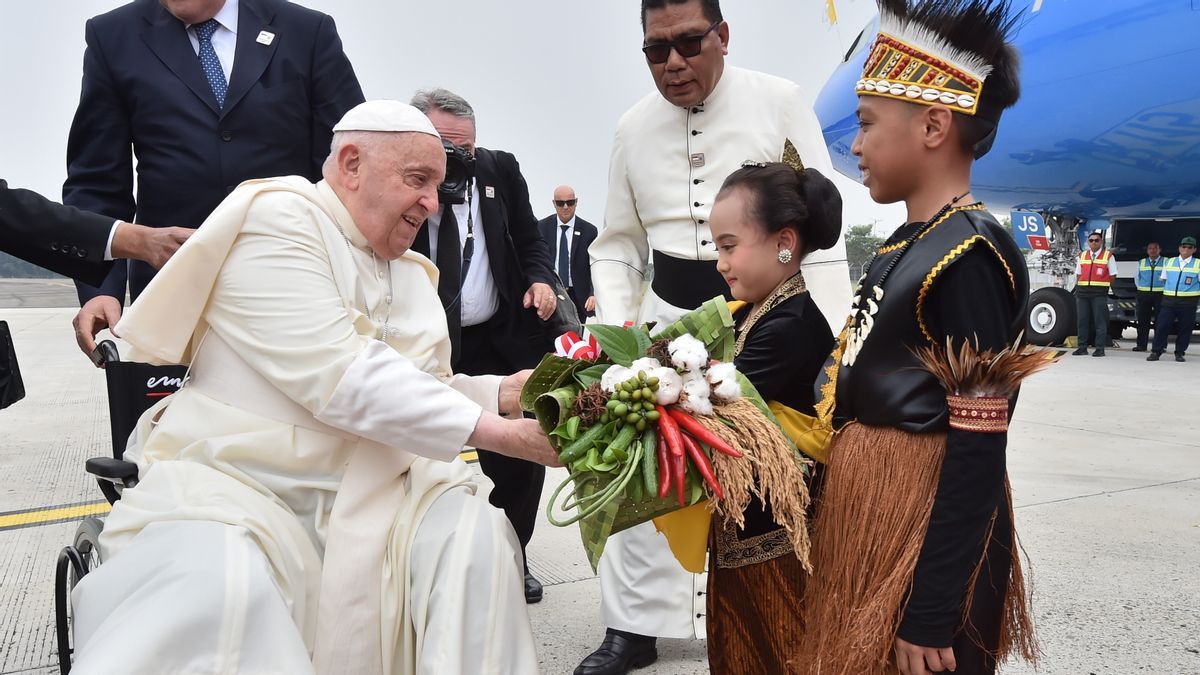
[1094, 272]
[1149, 276]
[1183, 281]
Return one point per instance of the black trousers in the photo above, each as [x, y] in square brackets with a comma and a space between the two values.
[1092, 307]
[518, 482]
[1179, 313]
[1148, 305]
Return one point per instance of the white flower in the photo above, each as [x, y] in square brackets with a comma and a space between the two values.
[614, 376]
[670, 385]
[723, 379]
[646, 363]
[688, 353]
[695, 395]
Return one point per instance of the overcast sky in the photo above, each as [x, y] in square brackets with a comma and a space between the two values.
[548, 78]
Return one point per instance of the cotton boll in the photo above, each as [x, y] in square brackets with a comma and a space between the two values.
[722, 377]
[688, 353]
[695, 396]
[614, 376]
[646, 363]
[670, 385]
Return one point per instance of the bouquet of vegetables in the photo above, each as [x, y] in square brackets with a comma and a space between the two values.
[650, 424]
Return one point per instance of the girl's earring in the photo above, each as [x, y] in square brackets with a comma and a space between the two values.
[785, 255]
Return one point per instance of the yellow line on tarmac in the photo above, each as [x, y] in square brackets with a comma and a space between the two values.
[52, 515]
[58, 514]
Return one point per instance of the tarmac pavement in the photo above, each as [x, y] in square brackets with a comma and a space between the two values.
[1104, 458]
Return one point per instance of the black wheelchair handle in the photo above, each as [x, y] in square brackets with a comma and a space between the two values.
[105, 352]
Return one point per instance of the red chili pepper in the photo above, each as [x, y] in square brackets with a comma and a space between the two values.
[679, 465]
[667, 426]
[664, 468]
[703, 465]
[702, 433]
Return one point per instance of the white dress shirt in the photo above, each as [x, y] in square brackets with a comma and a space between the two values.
[224, 40]
[111, 233]
[480, 299]
[558, 231]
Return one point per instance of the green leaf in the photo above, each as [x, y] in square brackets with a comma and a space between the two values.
[590, 375]
[554, 407]
[568, 431]
[545, 378]
[619, 343]
[642, 335]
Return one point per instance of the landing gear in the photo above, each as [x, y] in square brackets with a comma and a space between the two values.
[1051, 318]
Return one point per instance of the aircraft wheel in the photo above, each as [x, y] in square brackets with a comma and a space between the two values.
[1051, 318]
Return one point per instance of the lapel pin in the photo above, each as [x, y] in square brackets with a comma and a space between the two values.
[489, 192]
[265, 38]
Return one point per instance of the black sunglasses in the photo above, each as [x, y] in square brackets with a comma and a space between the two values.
[687, 46]
[565, 202]
[1093, 240]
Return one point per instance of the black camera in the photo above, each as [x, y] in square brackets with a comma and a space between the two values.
[460, 170]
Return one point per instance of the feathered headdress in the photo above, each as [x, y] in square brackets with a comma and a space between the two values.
[942, 51]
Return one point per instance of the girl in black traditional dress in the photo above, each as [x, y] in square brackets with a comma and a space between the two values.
[766, 219]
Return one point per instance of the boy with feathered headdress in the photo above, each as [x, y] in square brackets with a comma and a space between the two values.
[914, 555]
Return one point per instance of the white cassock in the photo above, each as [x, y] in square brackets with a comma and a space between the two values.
[667, 165]
[301, 505]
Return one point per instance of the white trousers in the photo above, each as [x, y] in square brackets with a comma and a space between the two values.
[199, 597]
[644, 589]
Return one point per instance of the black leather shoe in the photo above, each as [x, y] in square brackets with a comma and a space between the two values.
[533, 590]
[1179, 358]
[1082, 351]
[619, 652]
[1098, 352]
[1138, 349]
[1153, 356]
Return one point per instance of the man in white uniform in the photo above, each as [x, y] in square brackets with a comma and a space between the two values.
[672, 151]
[301, 507]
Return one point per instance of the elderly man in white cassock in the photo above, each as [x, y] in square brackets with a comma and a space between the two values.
[301, 507]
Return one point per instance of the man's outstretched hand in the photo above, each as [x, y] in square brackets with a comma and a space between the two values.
[154, 245]
[541, 296]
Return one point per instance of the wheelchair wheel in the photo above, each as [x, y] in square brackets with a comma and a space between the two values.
[74, 562]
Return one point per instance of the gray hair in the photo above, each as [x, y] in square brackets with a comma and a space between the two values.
[444, 100]
[367, 141]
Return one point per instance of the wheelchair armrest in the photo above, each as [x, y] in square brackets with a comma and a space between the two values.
[115, 470]
[105, 352]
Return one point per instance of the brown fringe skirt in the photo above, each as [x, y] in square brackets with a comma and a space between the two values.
[870, 524]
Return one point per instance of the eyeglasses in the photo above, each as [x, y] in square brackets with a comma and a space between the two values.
[1093, 240]
[1187, 246]
[687, 46]
[565, 202]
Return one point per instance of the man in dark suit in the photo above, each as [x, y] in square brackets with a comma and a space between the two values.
[568, 238]
[496, 285]
[75, 243]
[207, 93]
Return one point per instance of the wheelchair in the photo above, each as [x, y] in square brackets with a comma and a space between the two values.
[132, 389]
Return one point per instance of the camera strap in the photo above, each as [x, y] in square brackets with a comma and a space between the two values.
[468, 249]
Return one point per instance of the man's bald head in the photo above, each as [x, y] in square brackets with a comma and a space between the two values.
[565, 202]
